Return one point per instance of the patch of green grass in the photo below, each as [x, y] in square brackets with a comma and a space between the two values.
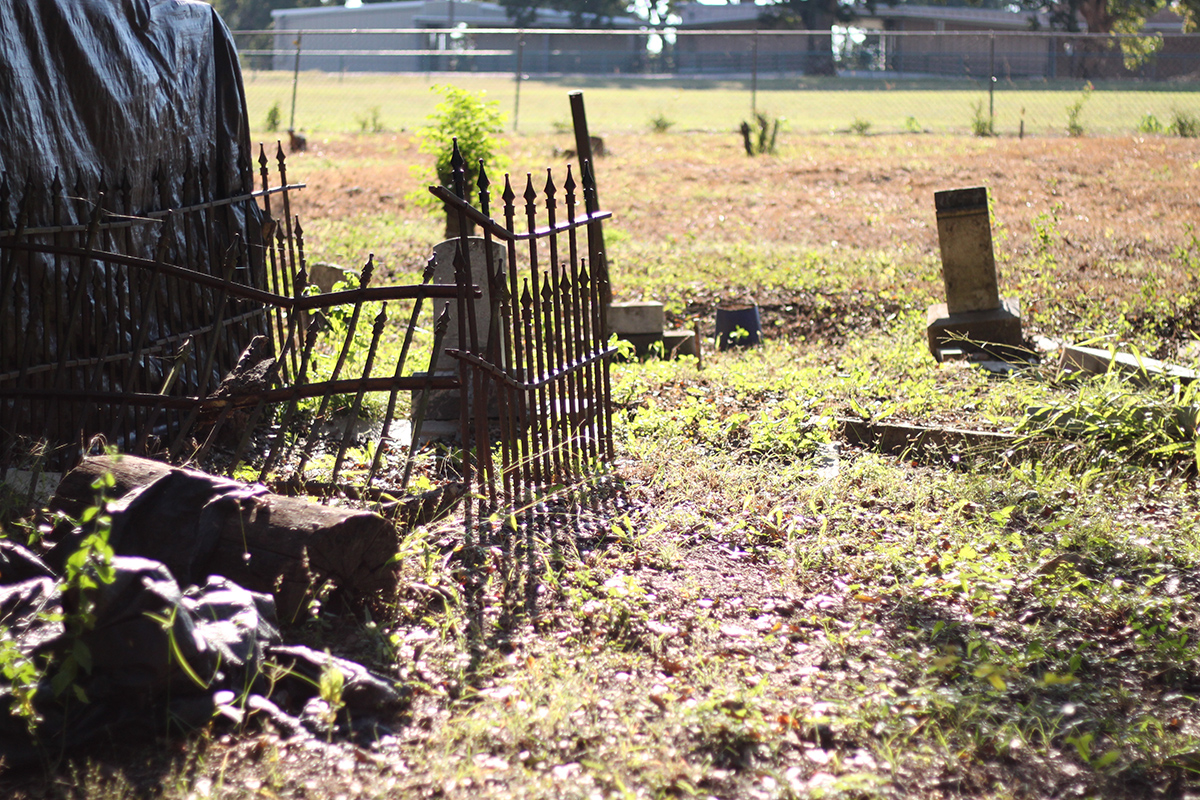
[328, 102]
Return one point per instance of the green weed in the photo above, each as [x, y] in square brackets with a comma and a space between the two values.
[1115, 423]
[762, 143]
[981, 124]
[1149, 124]
[660, 123]
[471, 121]
[371, 121]
[1184, 124]
[1075, 112]
[273, 118]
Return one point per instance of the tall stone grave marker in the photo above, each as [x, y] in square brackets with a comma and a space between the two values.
[443, 272]
[974, 317]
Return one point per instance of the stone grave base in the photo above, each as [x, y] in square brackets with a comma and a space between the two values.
[997, 332]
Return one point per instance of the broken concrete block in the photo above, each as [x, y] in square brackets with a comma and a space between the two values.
[627, 319]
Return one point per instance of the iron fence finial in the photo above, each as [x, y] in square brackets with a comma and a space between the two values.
[484, 184]
[458, 171]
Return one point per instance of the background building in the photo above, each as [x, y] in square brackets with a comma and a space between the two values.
[354, 48]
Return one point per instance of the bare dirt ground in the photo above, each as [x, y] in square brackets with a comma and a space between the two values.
[1078, 222]
[1116, 199]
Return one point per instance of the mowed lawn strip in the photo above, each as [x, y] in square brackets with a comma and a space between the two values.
[352, 102]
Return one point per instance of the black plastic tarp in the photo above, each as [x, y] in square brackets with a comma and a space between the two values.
[116, 112]
[92, 88]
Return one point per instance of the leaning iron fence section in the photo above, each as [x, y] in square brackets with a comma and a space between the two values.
[543, 362]
[207, 354]
[113, 290]
[164, 333]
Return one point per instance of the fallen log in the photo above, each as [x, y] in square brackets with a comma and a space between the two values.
[199, 525]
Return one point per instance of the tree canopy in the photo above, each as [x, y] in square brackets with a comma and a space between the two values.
[1104, 16]
[812, 15]
[584, 13]
[255, 15]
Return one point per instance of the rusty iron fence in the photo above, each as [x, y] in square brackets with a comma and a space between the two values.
[538, 420]
[164, 333]
[104, 305]
[155, 330]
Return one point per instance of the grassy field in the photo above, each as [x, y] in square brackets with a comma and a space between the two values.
[776, 612]
[355, 102]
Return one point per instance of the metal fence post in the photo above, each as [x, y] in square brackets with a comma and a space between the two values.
[295, 83]
[583, 150]
[754, 77]
[992, 80]
[520, 60]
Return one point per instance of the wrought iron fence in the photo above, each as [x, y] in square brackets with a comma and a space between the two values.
[102, 299]
[164, 342]
[204, 351]
[543, 361]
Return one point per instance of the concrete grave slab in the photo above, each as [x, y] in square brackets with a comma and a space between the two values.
[1099, 361]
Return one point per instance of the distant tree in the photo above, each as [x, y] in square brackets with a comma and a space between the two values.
[584, 13]
[1190, 11]
[523, 12]
[1100, 16]
[811, 15]
[255, 15]
[1111, 16]
[1126, 18]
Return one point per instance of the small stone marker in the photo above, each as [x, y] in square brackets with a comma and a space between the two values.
[643, 324]
[639, 323]
[974, 315]
[636, 318]
[324, 276]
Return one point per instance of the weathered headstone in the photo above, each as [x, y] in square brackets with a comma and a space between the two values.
[443, 272]
[325, 276]
[443, 404]
[974, 316]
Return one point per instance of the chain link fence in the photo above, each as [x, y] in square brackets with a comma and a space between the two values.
[855, 80]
